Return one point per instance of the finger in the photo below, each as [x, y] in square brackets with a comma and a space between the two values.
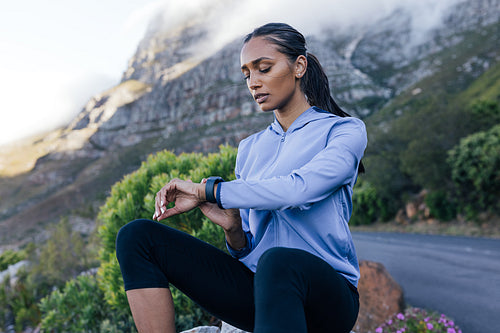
[169, 213]
[157, 205]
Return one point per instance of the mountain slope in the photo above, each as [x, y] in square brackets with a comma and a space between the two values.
[174, 97]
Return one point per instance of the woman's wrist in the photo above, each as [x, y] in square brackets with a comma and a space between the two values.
[236, 238]
[210, 188]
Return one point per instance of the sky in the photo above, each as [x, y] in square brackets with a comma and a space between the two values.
[56, 54]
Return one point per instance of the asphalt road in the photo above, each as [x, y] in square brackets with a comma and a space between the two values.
[457, 276]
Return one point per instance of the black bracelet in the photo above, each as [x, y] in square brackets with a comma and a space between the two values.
[209, 188]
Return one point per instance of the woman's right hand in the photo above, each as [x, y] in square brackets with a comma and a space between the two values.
[228, 219]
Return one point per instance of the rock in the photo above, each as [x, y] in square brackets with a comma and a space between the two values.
[226, 328]
[203, 329]
[379, 294]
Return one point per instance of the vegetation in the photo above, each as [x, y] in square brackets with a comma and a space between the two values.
[475, 171]
[51, 291]
[416, 320]
[10, 257]
[431, 145]
[133, 198]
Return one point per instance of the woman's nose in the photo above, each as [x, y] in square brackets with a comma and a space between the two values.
[253, 82]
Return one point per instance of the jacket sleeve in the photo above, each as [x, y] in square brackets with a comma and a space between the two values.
[334, 166]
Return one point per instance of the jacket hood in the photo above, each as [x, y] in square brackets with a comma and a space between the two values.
[312, 114]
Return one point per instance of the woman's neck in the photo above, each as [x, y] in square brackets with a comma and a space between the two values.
[287, 115]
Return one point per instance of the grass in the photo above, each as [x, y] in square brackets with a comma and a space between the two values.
[20, 157]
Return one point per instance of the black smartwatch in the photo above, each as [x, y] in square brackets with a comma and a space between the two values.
[209, 188]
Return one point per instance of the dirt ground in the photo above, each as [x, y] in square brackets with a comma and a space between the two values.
[486, 227]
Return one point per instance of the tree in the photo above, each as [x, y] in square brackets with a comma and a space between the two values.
[475, 165]
[62, 257]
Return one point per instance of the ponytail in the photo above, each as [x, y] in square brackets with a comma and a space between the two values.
[314, 84]
[317, 89]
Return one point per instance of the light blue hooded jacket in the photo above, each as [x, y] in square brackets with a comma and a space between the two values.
[294, 189]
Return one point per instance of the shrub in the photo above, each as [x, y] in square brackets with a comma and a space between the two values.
[133, 198]
[78, 307]
[368, 205]
[475, 164]
[416, 320]
[440, 205]
[10, 257]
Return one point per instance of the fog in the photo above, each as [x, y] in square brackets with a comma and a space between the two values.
[228, 19]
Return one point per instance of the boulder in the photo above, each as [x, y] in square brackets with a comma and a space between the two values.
[203, 329]
[380, 296]
[226, 328]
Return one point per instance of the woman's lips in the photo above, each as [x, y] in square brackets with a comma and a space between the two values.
[260, 98]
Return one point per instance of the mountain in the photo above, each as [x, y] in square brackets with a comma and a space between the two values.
[175, 96]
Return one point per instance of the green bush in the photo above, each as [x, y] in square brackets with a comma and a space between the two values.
[475, 165]
[18, 301]
[10, 257]
[440, 205]
[78, 307]
[61, 258]
[368, 205]
[133, 198]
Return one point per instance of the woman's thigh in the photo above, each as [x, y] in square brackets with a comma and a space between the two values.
[154, 255]
[297, 291]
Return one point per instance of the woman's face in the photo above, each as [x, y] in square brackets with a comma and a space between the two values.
[271, 78]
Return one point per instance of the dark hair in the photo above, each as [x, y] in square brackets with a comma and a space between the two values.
[314, 84]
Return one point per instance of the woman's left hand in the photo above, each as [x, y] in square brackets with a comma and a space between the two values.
[185, 195]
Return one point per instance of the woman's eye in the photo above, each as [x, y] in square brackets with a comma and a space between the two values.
[265, 70]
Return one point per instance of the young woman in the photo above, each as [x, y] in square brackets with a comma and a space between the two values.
[293, 267]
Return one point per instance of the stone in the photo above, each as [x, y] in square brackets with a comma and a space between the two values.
[226, 328]
[379, 294]
[203, 329]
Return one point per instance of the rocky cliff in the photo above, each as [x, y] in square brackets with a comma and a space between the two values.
[174, 96]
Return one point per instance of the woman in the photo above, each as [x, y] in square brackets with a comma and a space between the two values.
[293, 267]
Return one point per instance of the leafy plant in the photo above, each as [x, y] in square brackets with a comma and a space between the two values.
[416, 320]
[10, 257]
[133, 198]
[368, 205]
[440, 205]
[78, 307]
[18, 301]
[475, 164]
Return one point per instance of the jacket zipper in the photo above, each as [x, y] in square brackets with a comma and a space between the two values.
[276, 224]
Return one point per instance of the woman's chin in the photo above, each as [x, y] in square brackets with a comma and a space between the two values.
[266, 108]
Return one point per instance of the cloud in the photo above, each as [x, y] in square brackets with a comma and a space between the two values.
[54, 98]
[230, 19]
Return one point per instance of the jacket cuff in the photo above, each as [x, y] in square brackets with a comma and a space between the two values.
[217, 196]
[244, 251]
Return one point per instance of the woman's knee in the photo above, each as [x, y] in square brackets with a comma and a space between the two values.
[277, 263]
[130, 234]
[277, 257]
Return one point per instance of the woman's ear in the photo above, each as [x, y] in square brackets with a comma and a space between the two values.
[300, 66]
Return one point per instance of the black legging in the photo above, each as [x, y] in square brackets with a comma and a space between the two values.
[292, 291]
